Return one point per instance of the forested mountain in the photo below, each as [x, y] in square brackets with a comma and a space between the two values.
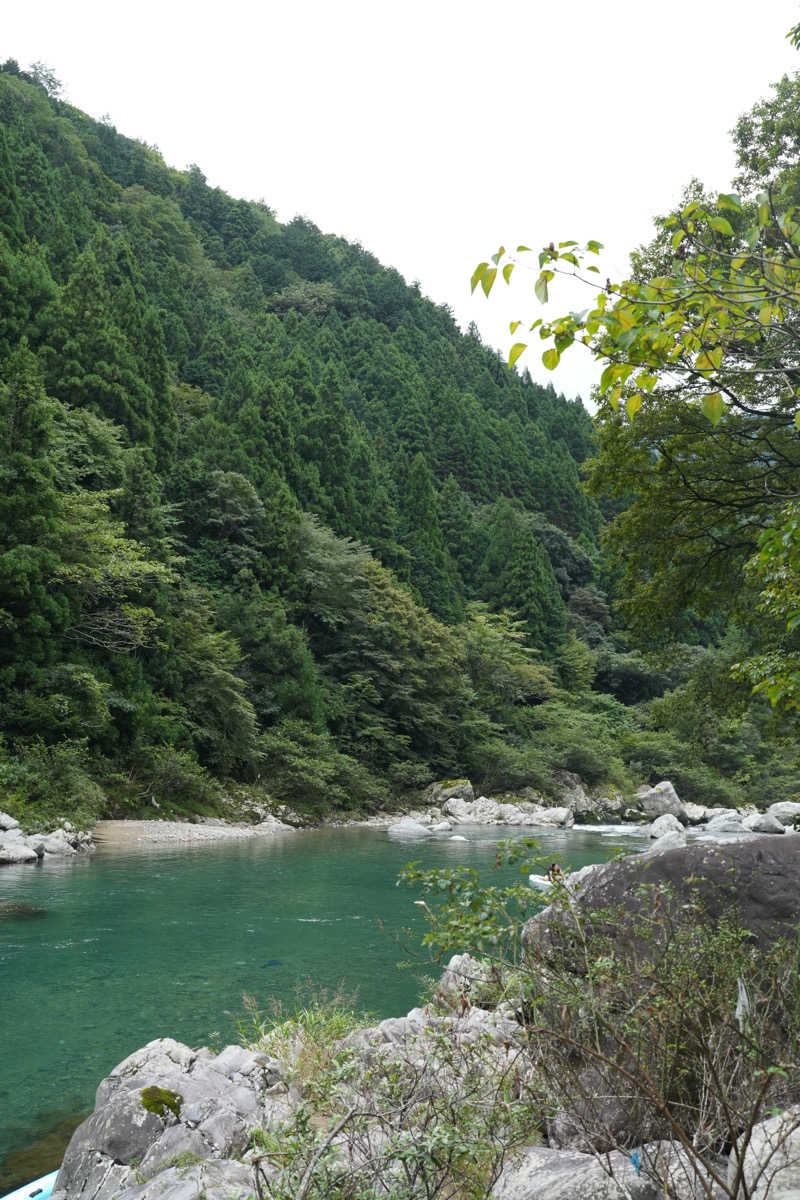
[270, 521]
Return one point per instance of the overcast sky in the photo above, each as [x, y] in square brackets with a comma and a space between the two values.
[431, 130]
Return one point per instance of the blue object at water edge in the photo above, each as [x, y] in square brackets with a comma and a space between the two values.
[40, 1189]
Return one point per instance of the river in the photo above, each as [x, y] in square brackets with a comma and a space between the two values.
[164, 941]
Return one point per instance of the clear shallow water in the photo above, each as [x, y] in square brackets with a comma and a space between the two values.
[164, 942]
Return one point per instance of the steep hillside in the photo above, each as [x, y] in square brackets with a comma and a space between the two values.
[268, 517]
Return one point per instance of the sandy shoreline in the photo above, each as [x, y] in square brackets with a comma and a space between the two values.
[129, 834]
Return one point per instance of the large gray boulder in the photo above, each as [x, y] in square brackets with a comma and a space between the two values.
[408, 828]
[222, 1180]
[439, 793]
[785, 811]
[221, 1099]
[541, 1173]
[763, 823]
[755, 879]
[725, 823]
[662, 798]
[58, 843]
[772, 1158]
[666, 823]
[670, 840]
[15, 851]
[7, 822]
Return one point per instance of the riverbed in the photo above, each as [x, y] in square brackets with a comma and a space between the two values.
[151, 940]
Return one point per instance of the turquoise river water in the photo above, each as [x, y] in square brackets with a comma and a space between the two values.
[161, 942]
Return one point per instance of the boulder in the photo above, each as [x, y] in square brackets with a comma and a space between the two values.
[668, 841]
[785, 811]
[12, 835]
[772, 1158]
[7, 822]
[662, 798]
[462, 975]
[445, 789]
[15, 852]
[513, 814]
[757, 879]
[724, 823]
[556, 817]
[221, 1180]
[441, 827]
[609, 804]
[573, 794]
[667, 823]
[696, 814]
[485, 811]
[36, 843]
[542, 1173]
[408, 828]
[58, 842]
[763, 823]
[219, 1101]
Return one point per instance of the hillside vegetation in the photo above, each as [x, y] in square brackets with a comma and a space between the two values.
[272, 527]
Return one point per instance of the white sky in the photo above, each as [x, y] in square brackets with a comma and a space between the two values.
[431, 130]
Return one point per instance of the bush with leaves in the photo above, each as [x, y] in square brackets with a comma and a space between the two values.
[652, 1024]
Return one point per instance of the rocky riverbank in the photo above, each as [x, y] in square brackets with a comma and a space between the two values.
[445, 806]
[453, 1092]
[62, 842]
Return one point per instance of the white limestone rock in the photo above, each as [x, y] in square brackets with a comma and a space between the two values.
[666, 823]
[772, 1158]
[668, 841]
[14, 852]
[408, 828]
[785, 811]
[662, 798]
[763, 823]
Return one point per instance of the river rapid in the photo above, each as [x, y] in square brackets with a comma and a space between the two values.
[154, 941]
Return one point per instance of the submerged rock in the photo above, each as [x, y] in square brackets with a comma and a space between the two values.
[11, 910]
[408, 828]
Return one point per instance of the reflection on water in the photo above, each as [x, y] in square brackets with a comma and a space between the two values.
[163, 941]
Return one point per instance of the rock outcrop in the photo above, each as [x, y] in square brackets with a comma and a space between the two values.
[17, 847]
[167, 1106]
[756, 879]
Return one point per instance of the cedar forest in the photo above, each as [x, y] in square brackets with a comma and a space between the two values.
[273, 529]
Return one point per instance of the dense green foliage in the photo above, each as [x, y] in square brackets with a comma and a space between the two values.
[271, 522]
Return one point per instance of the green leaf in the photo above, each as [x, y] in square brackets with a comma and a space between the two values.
[765, 314]
[487, 280]
[507, 269]
[594, 247]
[730, 201]
[709, 360]
[551, 358]
[721, 225]
[713, 407]
[515, 351]
[677, 238]
[514, 326]
[633, 404]
[477, 274]
[496, 257]
[541, 289]
[523, 249]
[646, 382]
